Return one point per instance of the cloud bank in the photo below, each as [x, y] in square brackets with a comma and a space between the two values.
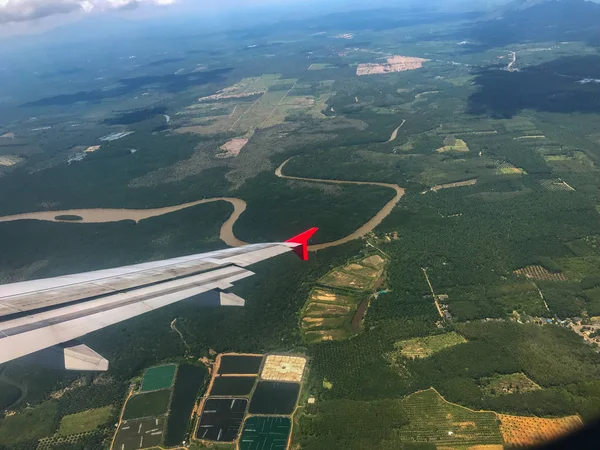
[26, 10]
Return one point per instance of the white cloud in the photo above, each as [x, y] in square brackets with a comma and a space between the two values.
[25, 10]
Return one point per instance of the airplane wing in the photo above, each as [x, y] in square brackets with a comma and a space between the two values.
[49, 314]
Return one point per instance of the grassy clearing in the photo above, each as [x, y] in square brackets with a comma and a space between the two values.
[320, 66]
[427, 346]
[84, 421]
[509, 384]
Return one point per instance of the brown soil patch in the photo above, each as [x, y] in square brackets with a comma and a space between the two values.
[540, 273]
[92, 149]
[232, 148]
[322, 295]
[320, 309]
[341, 279]
[534, 430]
[394, 64]
[283, 368]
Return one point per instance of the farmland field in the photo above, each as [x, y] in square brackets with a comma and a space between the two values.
[84, 421]
[160, 377]
[265, 433]
[424, 347]
[274, 398]
[150, 404]
[332, 311]
[225, 386]
[522, 431]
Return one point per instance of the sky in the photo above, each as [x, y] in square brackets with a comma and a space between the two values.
[37, 16]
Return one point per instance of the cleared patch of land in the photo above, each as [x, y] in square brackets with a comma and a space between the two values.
[505, 168]
[283, 368]
[84, 421]
[116, 136]
[509, 384]
[525, 431]
[451, 185]
[452, 144]
[556, 185]
[395, 132]
[232, 148]
[10, 160]
[394, 64]
[320, 66]
[540, 273]
[334, 309]
[426, 346]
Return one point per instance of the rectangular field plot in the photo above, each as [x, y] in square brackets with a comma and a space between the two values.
[242, 364]
[147, 405]
[225, 386]
[274, 398]
[160, 377]
[526, 431]
[265, 433]
[283, 368]
[140, 433]
[221, 419]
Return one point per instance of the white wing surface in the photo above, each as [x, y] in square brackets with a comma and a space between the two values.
[51, 313]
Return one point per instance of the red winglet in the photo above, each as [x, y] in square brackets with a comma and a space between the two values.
[302, 238]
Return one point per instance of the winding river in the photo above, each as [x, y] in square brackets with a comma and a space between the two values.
[105, 215]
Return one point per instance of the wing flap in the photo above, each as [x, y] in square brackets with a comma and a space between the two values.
[47, 293]
[24, 335]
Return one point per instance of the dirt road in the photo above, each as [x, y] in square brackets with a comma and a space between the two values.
[395, 132]
[104, 215]
[367, 227]
[510, 67]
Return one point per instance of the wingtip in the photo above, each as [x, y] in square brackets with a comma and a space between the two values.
[302, 239]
